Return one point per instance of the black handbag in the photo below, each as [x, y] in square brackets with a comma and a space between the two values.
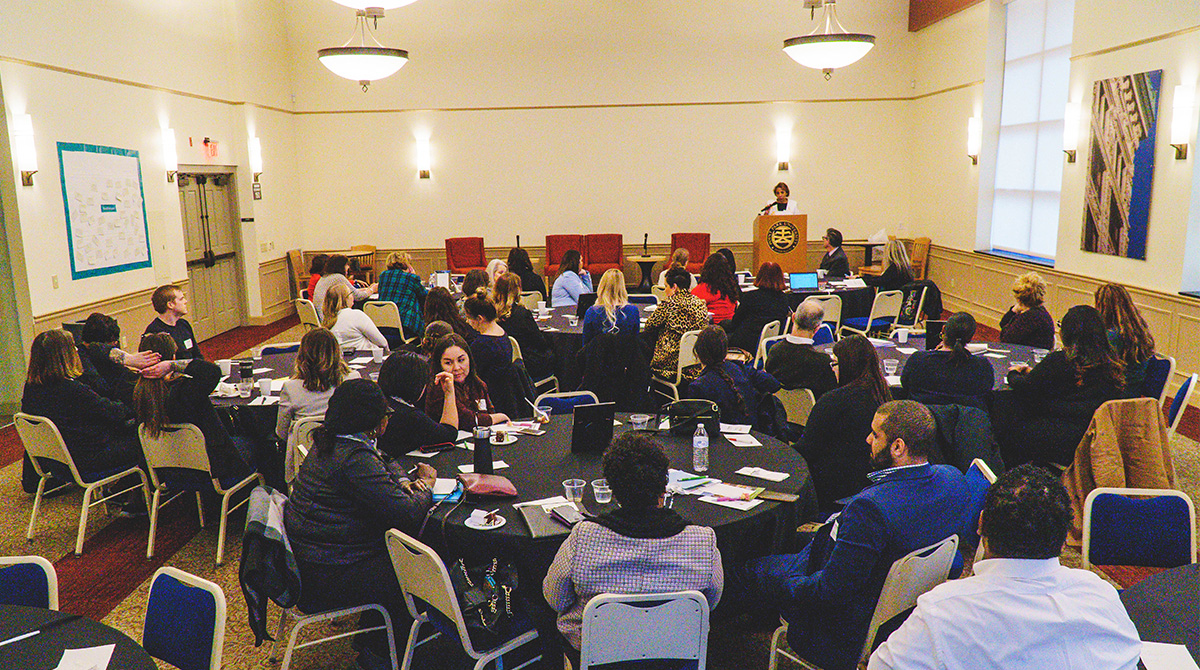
[685, 415]
[487, 597]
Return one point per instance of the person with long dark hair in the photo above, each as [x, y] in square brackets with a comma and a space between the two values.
[335, 275]
[1128, 333]
[520, 265]
[452, 354]
[491, 350]
[718, 287]
[572, 281]
[519, 323]
[315, 270]
[1057, 398]
[949, 375]
[832, 443]
[757, 308]
[403, 380]
[735, 388]
[440, 306]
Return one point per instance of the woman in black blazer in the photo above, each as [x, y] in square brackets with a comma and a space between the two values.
[758, 308]
[950, 375]
[519, 323]
[897, 270]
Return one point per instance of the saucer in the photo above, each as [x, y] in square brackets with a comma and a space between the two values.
[478, 524]
[495, 443]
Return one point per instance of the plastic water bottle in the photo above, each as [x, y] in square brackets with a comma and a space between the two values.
[700, 449]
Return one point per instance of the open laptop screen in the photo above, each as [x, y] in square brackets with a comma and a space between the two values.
[803, 281]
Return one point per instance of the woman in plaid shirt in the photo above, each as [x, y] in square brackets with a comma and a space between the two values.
[400, 284]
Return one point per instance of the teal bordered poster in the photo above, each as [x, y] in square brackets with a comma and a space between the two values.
[106, 209]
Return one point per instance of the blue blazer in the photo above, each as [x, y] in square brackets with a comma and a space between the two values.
[595, 321]
[832, 605]
[751, 385]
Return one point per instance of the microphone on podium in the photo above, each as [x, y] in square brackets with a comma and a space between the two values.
[645, 243]
[518, 241]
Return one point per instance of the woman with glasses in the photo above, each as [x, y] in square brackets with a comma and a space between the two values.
[834, 262]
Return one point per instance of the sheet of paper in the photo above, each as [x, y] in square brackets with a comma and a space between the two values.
[735, 428]
[907, 351]
[550, 329]
[261, 371]
[722, 490]
[878, 342]
[616, 423]
[991, 355]
[265, 400]
[857, 282]
[357, 367]
[463, 435]
[1159, 656]
[1000, 351]
[444, 487]
[277, 384]
[892, 380]
[361, 360]
[88, 658]
[417, 453]
[681, 481]
[743, 505]
[551, 501]
[763, 473]
[496, 465]
[742, 440]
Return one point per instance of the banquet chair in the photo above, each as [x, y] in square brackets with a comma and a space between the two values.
[308, 314]
[464, 254]
[552, 380]
[979, 478]
[605, 251]
[1159, 371]
[365, 262]
[422, 575]
[51, 459]
[697, 245]
[279, 348]
[1148, 528]
[1178, 403]
[687, 357]
[300, 442]
[769, 330]
[385, 314]
[566, 402]
[178, 463]
[832, 304]
[556, 246]
[764, 347]
[919, 257]
[28, 581]
[530, 299]
[824, 335]
[658, 292]
[643, 299]
[884, 312]
[645, 626]
[185, 620]
[797, 404]
[910, 312]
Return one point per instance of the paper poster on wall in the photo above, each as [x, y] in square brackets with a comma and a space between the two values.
[105, 209]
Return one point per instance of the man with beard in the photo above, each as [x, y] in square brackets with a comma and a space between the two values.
[828, 592]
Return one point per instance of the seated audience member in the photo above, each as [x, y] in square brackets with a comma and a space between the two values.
[718, 288]
[612, 312]
[353, 328]
[794, 362]
[402, 379]
[315, 270]
[491, 351]
[400, 284]
[679, 259]
[677, 313]
[1057, 398]
[1047, 615]
[452, 354]
[495, 268]
[897, 270]
[640, 547]
[736, 388]
[520, 324]
[834, 262]
[176, 391]
[727, 254]
[572, 281]
[319, 369]
[950, 375]
[1027, 321]
[475, 280]
[520, 265]
[335, 275]
[435, 331]
[346, 496]
[107, 369]
[1127, 333]
[757, 308]
[440, 306]
[172, 305]
[832, 443]
[828, 592]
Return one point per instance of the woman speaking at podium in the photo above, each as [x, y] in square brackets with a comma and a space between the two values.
[781, 205]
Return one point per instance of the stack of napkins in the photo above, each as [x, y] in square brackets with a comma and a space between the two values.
[763, 473]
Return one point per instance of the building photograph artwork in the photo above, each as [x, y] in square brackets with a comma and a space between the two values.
[1121, 164]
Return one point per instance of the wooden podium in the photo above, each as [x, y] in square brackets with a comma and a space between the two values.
[782, 239]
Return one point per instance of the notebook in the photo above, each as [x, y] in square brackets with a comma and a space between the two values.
[542, 523]
[802, 281]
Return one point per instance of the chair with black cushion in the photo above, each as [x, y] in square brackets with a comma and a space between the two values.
[1175, 412]
[28, 581]
[551, 381]
[185, 620]
[1141, 528]
[1159, 371]
[643, 299]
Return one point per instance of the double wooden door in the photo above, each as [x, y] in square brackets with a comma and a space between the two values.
[210, 227]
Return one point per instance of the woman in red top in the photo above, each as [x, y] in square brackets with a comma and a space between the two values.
[718, 288]
[315, 271]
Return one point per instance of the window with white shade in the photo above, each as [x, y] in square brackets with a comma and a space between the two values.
[1037, 52]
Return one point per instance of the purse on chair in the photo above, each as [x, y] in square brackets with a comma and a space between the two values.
[685, 415]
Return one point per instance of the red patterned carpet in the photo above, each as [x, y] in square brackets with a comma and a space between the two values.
[227, 345]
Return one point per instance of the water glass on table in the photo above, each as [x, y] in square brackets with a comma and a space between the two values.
[244, 386]
[890, 365]
[601, 491]
[573, 490]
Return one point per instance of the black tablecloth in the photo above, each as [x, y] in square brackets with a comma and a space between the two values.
[1166, 607]
[856, 302]
[1007, 356]
[44, 650]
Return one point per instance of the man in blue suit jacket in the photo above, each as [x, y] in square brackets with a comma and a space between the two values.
[828, 592]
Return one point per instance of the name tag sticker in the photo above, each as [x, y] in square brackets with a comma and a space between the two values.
[187, 344]
[108, 209]
[482, 404]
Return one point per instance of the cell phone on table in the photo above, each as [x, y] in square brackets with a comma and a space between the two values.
[567, 513]
[778, 496]
[434, 448]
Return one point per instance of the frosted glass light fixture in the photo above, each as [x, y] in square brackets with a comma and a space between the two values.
[363, 62]
[372, 4]
[423, 157]
[829, 46]
[170, 157]
[256, 165]
[1181, 120]
[974, 138]
[25, 150]
[1071, 130]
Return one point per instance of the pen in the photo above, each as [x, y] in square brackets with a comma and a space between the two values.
[728, 499]
[688, 479]
[20, 637]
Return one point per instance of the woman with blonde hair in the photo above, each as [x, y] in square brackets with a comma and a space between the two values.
[319, 369]
[353, 328]
[400, 284]
[612, 312]
[897, 270]
[1127, 332]
[519, 323]
[679, 259]
[1027, 321]
[495, 268]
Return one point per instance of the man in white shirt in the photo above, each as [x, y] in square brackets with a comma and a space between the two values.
[1022, 609]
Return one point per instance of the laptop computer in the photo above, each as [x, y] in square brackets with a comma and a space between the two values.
[586, 300]
[933, 333]
[802, 281]
[592, 429]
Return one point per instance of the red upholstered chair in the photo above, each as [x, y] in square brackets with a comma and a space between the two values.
[604, 252]
[697, 246]
[556, 246]
[464, 254]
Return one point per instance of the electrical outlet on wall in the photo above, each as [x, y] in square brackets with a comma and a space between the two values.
[263, 247]
[54, 281]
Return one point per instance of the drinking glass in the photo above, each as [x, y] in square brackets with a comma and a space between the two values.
[601, 490]
[890, 365]
[573, 490]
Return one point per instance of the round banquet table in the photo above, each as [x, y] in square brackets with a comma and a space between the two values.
[566, 341]
[856, 302]
[1000, 355]
[538, 466]
[64, 631]
[1166, 607]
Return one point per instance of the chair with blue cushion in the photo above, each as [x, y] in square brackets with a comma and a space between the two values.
[979, 479]
[279, 348]
[28, 581]
[764, 348]
[824, 335]
[185, 620]
[565, 403]
[643, 299]
[51, 459]
[884, 312]
[832, 304]
[1175, 413]
[1152, 528]
[178, 463]
[1159, 370]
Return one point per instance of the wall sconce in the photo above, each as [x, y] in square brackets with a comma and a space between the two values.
[783, 146]
[423, 157]
[256, 167]
[26, 151]
[169, 156]
[974, 138]
[1071, 130]
[1181, 120]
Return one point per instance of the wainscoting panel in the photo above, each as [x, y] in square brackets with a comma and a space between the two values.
[131, 310]
[276, 290]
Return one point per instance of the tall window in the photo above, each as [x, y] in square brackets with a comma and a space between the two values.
[1037, 53]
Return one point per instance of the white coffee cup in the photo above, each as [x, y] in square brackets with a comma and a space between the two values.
[264, 387]
[902, 335]
[226, 366]
[542, 306]
[377, 354]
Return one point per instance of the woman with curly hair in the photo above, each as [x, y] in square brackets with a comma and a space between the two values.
[1127, 333]
[1027, 321]
[440, 306]
[718, 287]
[735, 388]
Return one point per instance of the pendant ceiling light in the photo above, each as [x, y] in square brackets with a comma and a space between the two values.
[368, 4]
[829, 46]
[363, 62]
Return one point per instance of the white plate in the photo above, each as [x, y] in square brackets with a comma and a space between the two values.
[651, 308]
[511, 438]
[477, 523]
